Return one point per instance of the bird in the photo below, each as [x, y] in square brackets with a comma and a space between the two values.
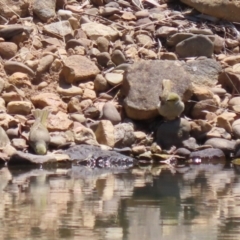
[170, 105]
[39, 137]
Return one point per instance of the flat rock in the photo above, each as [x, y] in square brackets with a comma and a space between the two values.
[19, 107]
[59, 122]
[114, 78]
[48, 100]
[173, 133]
[209, 153]
[12, 67]
[20, 7]
[95, 30]
[69, 90]
[61, 28]
[142, 83]
[195, 46]
[124, 135]
[44, 9]
[44, 63]
[78, 68]
[228, 10]
[110, 113]
[227, 146]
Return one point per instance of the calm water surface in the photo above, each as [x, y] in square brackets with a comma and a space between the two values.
[154, 202]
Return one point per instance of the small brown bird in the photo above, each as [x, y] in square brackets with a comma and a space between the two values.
[170, 105]
[39, 137]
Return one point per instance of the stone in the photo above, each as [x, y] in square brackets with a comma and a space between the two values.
[19, 79]
[142, 14]
[227, 10]
[11, 96]
[123, 135]
[103, 58]
[137, 150]
[78, 117]
[105, 133]
[92, 112]
[199, 129]
[78, 68]
[165, 31]
[102, 44]
[227, 146]
[44, 9]
[234, 104]
[142, 83]
[173, 133]
[4, 138]
[224, 123]
[57, 139]
[201, 108]
[174, 39]
[95, 30]
[84, 135]
[19, 143]
[218, 44]
[209, 153]
[145, 24]
[236, 128]
[69, 90]
[110, 113]
[100, 83]
[114, 78]
[168, 56]
[62, 28]
[15, 7]
[118, 57]
[218, 132]
[195, 46]
[202, 93]
[42, 100]
[12, 67]
[64, 14]
[218, 91]
[144, 40]
[108, 11]
[8, 50]
[59, 122]
[19, 107]
[190, 144]
[89, 94]
[44, 63]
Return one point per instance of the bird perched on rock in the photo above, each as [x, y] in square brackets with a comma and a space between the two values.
[170, 105]
[39, 137]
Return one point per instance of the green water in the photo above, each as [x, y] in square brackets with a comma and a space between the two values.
[198, 202]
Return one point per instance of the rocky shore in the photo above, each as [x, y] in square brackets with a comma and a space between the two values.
[98, 67]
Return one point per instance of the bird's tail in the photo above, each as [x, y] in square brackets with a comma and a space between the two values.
[42, 115]
[167, 85]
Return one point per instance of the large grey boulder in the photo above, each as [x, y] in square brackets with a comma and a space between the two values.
[142, 83]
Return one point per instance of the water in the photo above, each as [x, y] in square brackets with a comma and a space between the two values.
[152, 202]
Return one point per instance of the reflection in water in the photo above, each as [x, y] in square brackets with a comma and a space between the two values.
[202, 202]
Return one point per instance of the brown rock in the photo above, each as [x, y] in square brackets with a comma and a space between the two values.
[45, 63]
[8, 50]
[19, 79]
[100, 83]
[12, 67]
[84, 135]
[110, 113]
[89, 94]
[19, 107]
[78, 68]
[48, 99]
[59, 122]
[105, 133]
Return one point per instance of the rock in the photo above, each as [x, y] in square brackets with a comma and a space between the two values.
[84, 135]
[234, 104]
[114, 78]
[64, 14]
[218, 91]
[69, 90]
[42, 100]
[201, 108]
[224, 123]
[2, 83]
[145, 24]
[227, 10]
[103, 58]
[202, 93]
[144, 40]
[168, 56]
[108, 11]
[57, 139]
[110, 113]
[62, 28]
[102, 44]
[227, 146]
[137, 150]
[19, 79]
[4, 138]
[78, 68]
[173, 133]
[19, 143]
[123, 135]
[74, 105]
[12, 67]
[190, 144]
[174, 39]
[195, 46]
[199, 129]
[44, 63]
[141, 80]
[236, 128]
[91, 112]
[95, 30]
[44, 9]
[209, 153]
[166, 31]
[8, 50]
[142, 14]
[89, 94]
[59, 122]
[15, 7]
[118, 57]
[100, 83]
[218, 44]
[105, 133]
[217, 132]
[19, 107]
[183, 152]
[78, 117]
